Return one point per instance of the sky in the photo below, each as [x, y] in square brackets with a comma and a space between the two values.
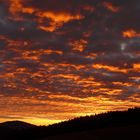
[61, 59]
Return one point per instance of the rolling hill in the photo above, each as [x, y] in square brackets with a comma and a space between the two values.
[111, 125]
[17, 125]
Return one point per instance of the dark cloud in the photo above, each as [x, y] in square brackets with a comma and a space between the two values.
[125, 60]
[68, 55]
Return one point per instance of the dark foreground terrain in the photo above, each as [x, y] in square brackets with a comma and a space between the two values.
[118, 125]
[131, 132]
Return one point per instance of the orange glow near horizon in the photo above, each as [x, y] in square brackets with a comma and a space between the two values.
[85, 106]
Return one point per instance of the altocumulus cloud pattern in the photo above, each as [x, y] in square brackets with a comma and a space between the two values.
[62, 59]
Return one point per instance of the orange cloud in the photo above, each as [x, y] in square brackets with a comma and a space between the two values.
[57, 19]
[16, 7]
[130, 33]
[47, 28]
[110, 68]
[44, 114]
[111, 7]
[122, 84]
[60, 73]
[136, 66]
[78, 45]
[70, 76]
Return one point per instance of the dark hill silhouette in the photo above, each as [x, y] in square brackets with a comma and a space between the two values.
[17, 125]
[117, 125]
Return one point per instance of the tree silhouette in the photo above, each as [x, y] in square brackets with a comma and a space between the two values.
[103, 120]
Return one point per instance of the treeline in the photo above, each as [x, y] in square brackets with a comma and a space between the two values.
[104, 120]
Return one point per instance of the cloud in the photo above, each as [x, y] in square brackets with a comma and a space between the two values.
[63, 58]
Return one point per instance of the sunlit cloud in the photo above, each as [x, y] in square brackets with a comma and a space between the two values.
[111, 7]
[61, 60]
[131, 33]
